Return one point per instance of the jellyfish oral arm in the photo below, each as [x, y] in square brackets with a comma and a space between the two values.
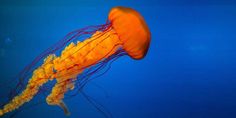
[64, 107]
[81, 55]
[40, 76]
[73, 60]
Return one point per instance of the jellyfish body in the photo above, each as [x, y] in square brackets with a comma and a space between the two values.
[127, 30]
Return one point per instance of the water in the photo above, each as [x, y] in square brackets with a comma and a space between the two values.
[189, 71]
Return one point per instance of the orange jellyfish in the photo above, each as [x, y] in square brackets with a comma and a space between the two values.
[125, 33]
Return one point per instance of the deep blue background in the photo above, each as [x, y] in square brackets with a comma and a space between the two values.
[189, 71]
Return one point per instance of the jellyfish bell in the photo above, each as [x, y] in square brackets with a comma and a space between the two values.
[132, 31]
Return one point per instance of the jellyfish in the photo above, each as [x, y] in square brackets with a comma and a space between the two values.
[124, 33]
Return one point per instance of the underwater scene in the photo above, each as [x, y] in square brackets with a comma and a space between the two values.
[118, 59]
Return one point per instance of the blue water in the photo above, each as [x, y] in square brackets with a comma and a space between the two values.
[189, 71]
